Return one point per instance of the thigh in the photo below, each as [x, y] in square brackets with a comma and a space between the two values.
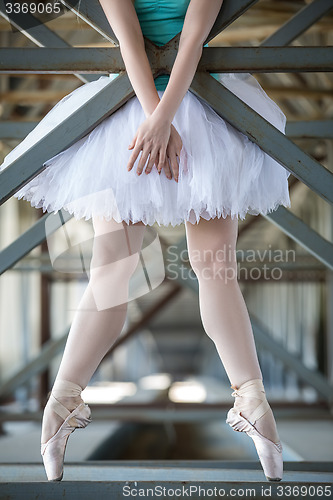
[212, 234]
[212, 246]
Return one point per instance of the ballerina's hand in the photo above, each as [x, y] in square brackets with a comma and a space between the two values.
[152, 139]
[174, 148]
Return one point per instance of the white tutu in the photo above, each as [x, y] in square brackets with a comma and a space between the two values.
[221, 172]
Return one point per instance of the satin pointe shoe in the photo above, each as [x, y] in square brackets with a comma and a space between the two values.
[53, 451]
[270, 453]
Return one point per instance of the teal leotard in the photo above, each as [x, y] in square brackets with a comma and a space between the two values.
[160, 21]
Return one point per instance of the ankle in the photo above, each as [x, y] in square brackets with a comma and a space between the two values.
[71, 402]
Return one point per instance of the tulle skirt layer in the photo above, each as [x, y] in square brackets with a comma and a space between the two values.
[221, 172]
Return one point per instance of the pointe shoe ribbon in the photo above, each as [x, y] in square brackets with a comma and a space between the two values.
[270, 453]
[53, 451]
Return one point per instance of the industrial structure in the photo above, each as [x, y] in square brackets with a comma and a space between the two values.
[160, 396]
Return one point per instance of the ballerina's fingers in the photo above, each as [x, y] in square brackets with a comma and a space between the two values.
[166, 167]
[173, 159]
[142, 161]
[151, 162]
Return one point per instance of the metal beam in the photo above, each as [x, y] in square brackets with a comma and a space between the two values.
[311, 377]
[229, 12]
[65, 60]
[33, 237]
[299, 23]
[92, 13]
[43, 359]
[16, 130]
[74, 127]
[300, 232]
[316, 129]
[264, 134]
[214, 59]
[39, 34]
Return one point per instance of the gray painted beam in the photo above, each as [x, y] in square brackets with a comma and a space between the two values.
[229, 12]
[261, 132]
[43, 359]
[316, 129]
[39, 34]
[78, 124]
[16, 130]
[294, 227]
[214, 59]
[33, 237]
[314, 378]
[299, 23]
[266, 59]
[65, 60]
[92, 13]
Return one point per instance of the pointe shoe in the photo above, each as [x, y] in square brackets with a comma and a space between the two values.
[53, 451]
[270, 453]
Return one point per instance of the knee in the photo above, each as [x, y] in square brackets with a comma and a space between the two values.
[112, 259]
[214, 263]
[116, 269]
[109, 283]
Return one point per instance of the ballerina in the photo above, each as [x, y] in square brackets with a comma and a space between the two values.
[165, 157]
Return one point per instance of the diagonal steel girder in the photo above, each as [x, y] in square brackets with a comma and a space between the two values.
[230, 11]
[30, 239]
[299, 23]
[214, 59]
[92, 13]
[303, 234]
[39, 34]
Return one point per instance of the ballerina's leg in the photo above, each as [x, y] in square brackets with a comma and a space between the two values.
[101, 313]
[212, 253]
